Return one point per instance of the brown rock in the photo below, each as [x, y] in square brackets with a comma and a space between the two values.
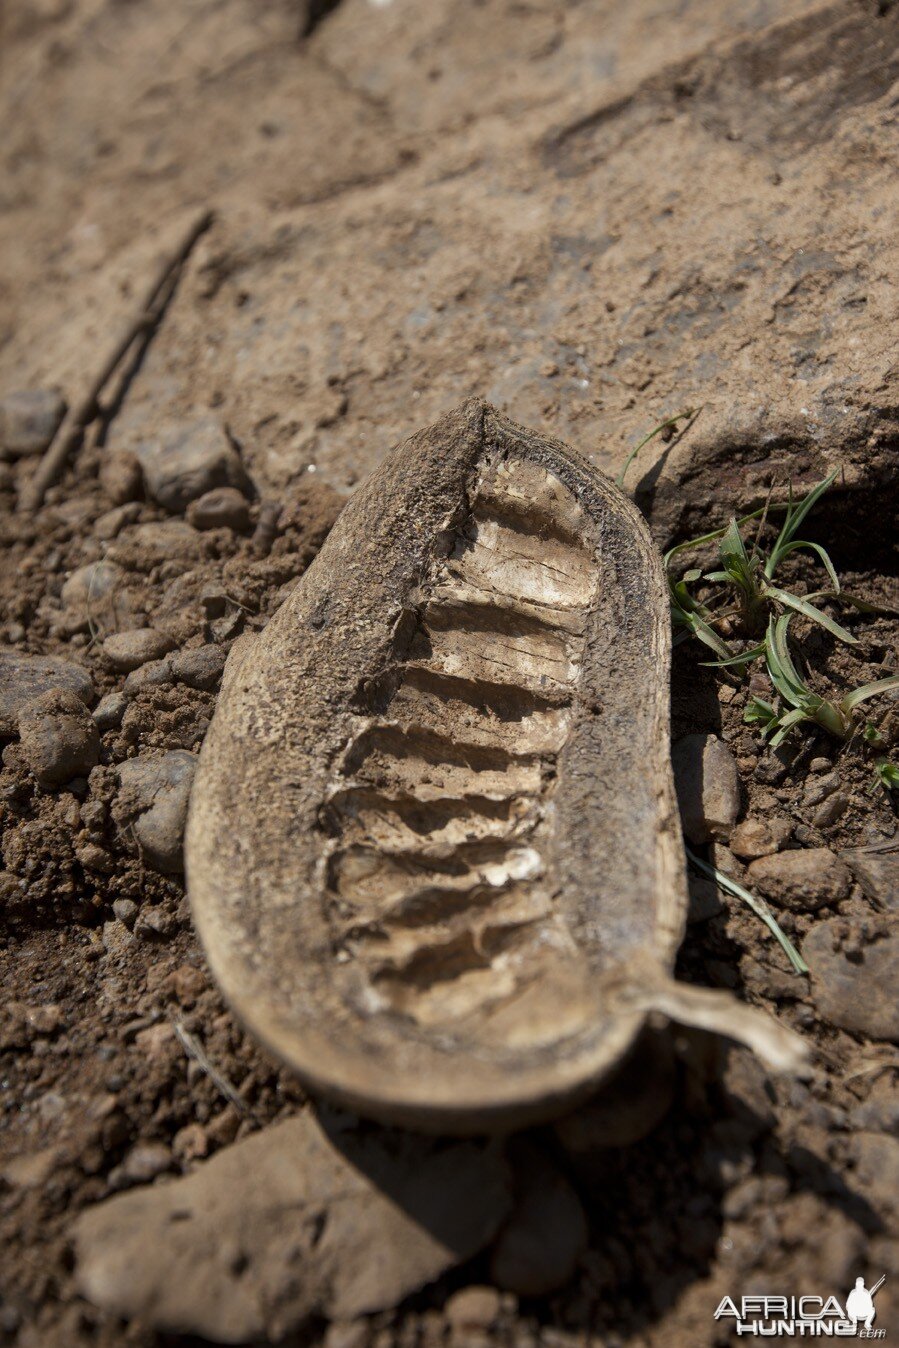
[318, 1224]
[59, 739]
[708, 787]
[473, 1308]
[804, 880]
[121, 477]
[25, 677]
[155, 793]
[854, 976]
[876, 869]
[92, 596]
[189, 461]
[221, 508]
[28, 420]
[131, 649]
[755, 837]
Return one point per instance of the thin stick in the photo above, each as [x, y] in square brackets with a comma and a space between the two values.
[79, 417]
[194, 1049]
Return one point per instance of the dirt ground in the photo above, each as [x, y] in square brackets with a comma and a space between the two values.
[594, 214]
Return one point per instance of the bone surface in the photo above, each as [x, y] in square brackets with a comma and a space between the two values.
[433, 851]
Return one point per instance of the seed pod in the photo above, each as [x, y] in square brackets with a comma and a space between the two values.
[433, 851]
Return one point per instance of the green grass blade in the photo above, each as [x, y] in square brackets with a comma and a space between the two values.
[821, 554]
[852, 700]
[687, 415]
[795, 515]
[758, 906]
[746, 658]
[808, 610]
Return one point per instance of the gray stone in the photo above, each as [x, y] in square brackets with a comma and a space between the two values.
[28, 420]
[152, 674]
[708, 787]
[126, 911]
[189, 461]
[109, 710]
[156, 542]
[200, 667]
[756, 837]
[155, 794]
[538, 1249]
[830, 810]
[291, 1223]
[221, 508]
[92, 595]
[121, 477]
[855, 975]
[113, 521]
[59, 738]
[877, 871]
[819, 788]
[24, 677]
[129, 650]
[803, 880]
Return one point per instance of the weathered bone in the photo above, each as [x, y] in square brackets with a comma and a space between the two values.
[433, 851]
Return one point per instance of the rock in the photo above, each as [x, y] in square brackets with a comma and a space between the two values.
[773, 768]
[632, 1104]
[155, 793]
[291, 1223]
[803, 880]
[59, 738]
[32, 1170]
[158, 541]
[113, 521]
[109, 711]
[126, 911]
[708, 787]
[25, 677]
[121, 477]
[152, 674]
[221, 508]
[819, 788]
[830, 810]
[92, 595]
[154, 922]
[755, 837]
[473, 1308]
[538, 1249]
[854, 976]
[28, 420]
[189, 462]
[144, 1162]
[200, 667]
[877, 871]
[131, 649]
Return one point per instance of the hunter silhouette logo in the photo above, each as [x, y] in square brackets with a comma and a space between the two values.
[806, 1316]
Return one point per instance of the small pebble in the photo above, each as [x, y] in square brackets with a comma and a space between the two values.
[201, 667]
[128, 650]
[803, 880]
[190, 460]
[126, 911]
[121, 478]
[28, 420]
[759, 837]
[155, 794]
[25, 677]
[59, 739]
[145, 1161]
[109, 711]
[473, 1308]
[830, 810]
[221, 508]
[708, 787]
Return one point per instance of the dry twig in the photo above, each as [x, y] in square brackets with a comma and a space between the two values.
[138, 330]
